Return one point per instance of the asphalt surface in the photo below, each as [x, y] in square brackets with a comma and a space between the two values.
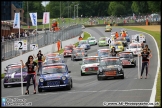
[87, 90]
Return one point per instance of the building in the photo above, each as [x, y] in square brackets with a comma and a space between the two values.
[9, 8]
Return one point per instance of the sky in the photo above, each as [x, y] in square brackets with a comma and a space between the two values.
[44, 3]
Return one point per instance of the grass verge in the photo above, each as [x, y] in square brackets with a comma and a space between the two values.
[156, 35]
[2, 76]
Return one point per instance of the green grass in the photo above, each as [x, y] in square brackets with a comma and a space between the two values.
[156, 35]
[2, 76]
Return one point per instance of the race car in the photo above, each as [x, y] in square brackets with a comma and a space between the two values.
[103, 52]
[118, 46]
[108, 28]
[78, 54]
[112, 35]
[84, 44]
[136, 48]
[68, 50]
[53, 55]
[103, 41]
[139, 38]
[55, 76]
[127, 58]
[92, 41]
[89, 65]
[52, 60]
[110, 67]
[13, 75]
[123, 40]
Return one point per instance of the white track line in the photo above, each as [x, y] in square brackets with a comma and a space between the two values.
[84, 92]
[153, 94]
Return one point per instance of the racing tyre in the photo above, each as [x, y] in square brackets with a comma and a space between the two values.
[39, 89]
[5, 86]
[96, 44]
[69, 86]
[81, 73]
[99, 78]
[122, 77]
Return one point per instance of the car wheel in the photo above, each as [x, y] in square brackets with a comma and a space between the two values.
[39, 89]
[81, 73]
[68, 87]
[96, 44]
[99, 78]
[71, 84]
[122, 77]
[5, 86]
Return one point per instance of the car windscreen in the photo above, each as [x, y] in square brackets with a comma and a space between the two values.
[103, 52]
[126, 55]
[90, 60]
[78, 51]
[108, 62]
[117, 44]
[68, 48]
[102, 39]
[83, 42]
[53, 60]
[134, 46]
[53, 69]
[16, 69]
[91, 39]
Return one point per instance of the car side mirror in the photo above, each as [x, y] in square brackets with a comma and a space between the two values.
[69, 71]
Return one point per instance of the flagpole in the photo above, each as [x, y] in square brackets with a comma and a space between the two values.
[20, 56]
[49, 21]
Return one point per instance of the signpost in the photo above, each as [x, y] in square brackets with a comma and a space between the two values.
[21, 45]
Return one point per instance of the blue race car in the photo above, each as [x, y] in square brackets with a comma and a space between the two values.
[52, 60]
[103, 52]
[84, 44]
[127, 38]
[55, 76]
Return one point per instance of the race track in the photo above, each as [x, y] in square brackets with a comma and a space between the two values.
[88, 91]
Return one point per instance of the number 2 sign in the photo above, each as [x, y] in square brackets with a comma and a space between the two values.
[20, 45]
[33, 46]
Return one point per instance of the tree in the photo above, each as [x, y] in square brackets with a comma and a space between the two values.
[154, 6]
[115, 8]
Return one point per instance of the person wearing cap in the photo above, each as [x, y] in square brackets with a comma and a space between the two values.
[40, 57]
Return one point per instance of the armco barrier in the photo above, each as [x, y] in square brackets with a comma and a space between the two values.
[45, 50]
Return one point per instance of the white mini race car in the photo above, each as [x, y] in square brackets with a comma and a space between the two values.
[89, 65]
[135, 47]
[92, 41]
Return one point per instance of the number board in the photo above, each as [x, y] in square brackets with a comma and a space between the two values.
[33, 46]
[20, 45]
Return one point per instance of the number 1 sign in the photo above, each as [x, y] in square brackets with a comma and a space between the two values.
[33, 46]
[20, 45]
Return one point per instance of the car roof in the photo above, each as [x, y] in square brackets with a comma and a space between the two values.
[79, 48]
[13, 64]
[109, 58]
[103, 49]
[90, 56]
[126, 52]
[54, 64]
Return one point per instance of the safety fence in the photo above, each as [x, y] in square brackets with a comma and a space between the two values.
[42, 39]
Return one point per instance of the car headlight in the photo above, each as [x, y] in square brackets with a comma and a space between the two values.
[63, 78]
[41, 79]
[83, 67]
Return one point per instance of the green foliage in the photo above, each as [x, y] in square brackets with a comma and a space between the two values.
[91, 8]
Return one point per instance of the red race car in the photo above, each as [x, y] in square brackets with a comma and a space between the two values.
[68, 50]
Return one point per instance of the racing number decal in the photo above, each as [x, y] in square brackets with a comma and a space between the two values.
[20, 47]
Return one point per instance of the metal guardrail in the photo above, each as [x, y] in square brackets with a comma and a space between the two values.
[42, 39]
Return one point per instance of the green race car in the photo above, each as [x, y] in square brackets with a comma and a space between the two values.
[89, 65]
[103, 41]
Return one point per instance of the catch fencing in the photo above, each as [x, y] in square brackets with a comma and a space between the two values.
[42, 39]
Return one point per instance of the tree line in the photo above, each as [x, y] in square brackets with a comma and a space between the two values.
[92, 8]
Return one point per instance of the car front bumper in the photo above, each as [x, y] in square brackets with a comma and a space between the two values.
[50, 87]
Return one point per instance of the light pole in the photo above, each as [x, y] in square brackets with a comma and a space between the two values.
[27, 15]
[60, 9]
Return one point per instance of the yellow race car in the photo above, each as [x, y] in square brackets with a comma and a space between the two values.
[108, 28]
[118, 46]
